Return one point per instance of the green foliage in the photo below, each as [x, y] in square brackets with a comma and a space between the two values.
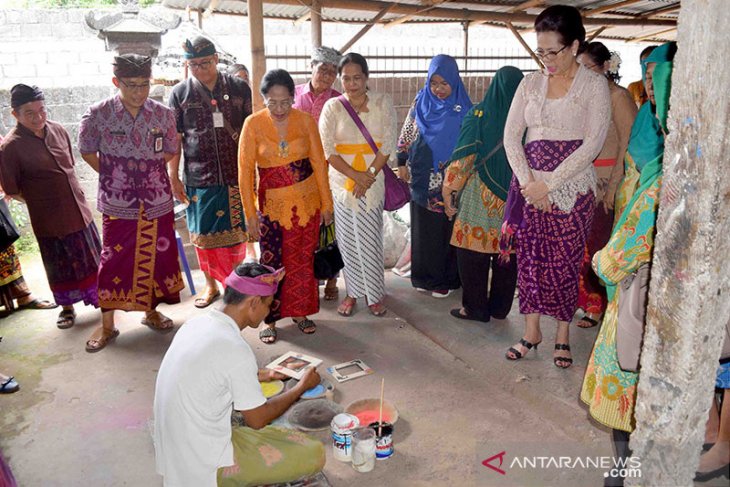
[68, 3]
[26, 244]
[20, 216]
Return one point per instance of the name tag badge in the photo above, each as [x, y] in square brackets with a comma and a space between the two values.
[158, 143]
[218, 120]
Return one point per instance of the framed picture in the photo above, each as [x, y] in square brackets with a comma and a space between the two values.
[349, 370]
[293, 364]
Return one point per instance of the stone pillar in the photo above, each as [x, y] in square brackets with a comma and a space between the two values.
[689, 301]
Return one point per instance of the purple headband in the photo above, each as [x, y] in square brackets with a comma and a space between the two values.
[263, 285]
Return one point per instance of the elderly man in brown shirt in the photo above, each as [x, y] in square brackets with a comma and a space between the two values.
[37, 167]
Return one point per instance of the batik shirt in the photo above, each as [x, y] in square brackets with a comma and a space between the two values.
[211, 153]
[306, 101]
[132, 167]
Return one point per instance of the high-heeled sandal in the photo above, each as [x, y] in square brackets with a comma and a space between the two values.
[562, 360]
[517, 354]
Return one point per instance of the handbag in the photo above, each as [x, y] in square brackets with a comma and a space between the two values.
[632, 303]
[397, 192]
[9, 233]
[327, 258]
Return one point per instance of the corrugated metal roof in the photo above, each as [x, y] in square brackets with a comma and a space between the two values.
[646, 11]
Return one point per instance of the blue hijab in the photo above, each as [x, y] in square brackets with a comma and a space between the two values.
[439, 121]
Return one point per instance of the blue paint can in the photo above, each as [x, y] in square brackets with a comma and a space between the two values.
[384, 441]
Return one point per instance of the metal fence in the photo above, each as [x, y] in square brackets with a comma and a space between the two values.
[401, 71]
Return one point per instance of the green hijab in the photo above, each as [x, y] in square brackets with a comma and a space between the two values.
[647, 140]
[483, 128]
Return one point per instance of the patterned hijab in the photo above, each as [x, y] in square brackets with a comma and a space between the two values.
[647, 139]
[483, 128]
[439, 121]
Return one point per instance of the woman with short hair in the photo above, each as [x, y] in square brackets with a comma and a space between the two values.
[566, 111]
[357, 180]
[293, 197]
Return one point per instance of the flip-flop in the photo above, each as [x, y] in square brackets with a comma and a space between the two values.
[345, 307]
[266, 333]
[331, 293]
[456, 313]
[9, 386]
[101, 342]
[206, 300]
[164, 324]
[306, 324]
[377, 309]
[38, 304]
[66, 319]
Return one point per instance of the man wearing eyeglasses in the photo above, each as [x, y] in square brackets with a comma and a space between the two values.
[210, 108]
[128, 139]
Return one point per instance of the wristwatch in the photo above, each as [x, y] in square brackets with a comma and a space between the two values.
[372, 170]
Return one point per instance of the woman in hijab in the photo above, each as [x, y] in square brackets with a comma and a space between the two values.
[479, 174]
[609, 391]
[426, 142]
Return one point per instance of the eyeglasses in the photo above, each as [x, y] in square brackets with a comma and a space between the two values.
[135, 87]
[285, 104]
[548, 55]
[200, 65]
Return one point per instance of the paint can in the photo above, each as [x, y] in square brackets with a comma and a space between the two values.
[342, 426]
[383, 442]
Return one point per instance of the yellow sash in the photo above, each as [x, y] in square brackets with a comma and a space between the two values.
[358, 164]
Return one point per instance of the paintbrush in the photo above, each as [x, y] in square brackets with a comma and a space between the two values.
[380, 417]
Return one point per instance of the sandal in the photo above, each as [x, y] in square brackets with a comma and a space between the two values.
[587, 319]
[345, 307]
[516, 354]
[268, 332]
[562, 362]
[331, 292]
[96, 344]
[9, 386]
[38, 304]
[158, 322]
[306, 324]
[66, 319]
[206, 299]
[378, 309]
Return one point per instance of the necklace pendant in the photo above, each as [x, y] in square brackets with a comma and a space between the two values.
[283, 148]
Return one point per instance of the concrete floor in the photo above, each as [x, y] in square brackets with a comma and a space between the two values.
[84, 419]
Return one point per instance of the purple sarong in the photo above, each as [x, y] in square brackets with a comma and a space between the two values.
[550, 245]
[139, 267]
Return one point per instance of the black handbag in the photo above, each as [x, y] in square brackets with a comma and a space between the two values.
[327, 258]
[8, 231]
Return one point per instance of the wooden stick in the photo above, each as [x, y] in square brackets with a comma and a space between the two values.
[380, 419]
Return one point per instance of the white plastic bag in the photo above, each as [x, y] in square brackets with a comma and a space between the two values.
[395, 238]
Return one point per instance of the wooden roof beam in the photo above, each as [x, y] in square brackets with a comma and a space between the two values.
[365, 29]
[524, 44]
[303, 18]
[651, 36]
[408, 17]
[596, 33]
[660, 11]
[608, 8]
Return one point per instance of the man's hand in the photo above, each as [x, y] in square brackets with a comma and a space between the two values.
[327, 217]
[178, 190]
[311, 379]
[252, 227]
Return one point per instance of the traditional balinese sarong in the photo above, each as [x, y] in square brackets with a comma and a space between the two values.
[551, 245]
[360, 239]
[292, 248]
[271, 455]
[72, 266]
[217, 228]
[139, 267]
[591, 292]
[12, 283]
